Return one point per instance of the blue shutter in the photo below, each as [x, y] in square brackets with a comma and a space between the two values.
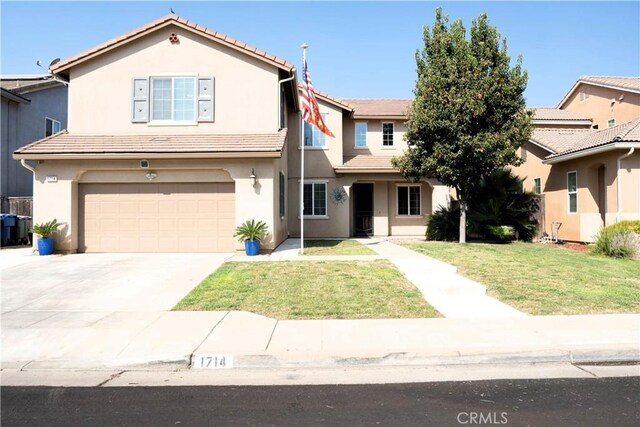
[140, 100]
[206, 92]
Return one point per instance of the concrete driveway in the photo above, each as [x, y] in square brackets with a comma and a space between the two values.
[65, 307]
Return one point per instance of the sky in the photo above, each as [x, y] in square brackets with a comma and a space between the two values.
[361, 49]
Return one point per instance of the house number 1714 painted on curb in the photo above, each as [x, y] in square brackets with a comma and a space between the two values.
[213, 361]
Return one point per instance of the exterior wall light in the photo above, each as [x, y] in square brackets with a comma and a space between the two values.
[252, 178]
[151, 176]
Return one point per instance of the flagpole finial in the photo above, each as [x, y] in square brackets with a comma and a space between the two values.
[304, 45]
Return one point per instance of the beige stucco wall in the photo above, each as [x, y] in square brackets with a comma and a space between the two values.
[60, 199]
[533, 167]
[246, 89]
[374, 138]
[598, 104]
[584, 224]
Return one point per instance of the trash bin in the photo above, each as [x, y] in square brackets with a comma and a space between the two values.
[22, 230]
[8, 222]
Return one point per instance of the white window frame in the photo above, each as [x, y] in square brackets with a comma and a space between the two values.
[314, 131]
[537, 178]
[314, 182]
[355, 136]
[570, 193]
[409, 215]
[53, 126]
[393, 139]
[172, 122]
[609, 124]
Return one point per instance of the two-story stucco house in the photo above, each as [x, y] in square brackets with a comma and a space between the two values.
[33, 107]
[178, 133]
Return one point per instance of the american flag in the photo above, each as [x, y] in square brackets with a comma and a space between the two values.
[310, 110]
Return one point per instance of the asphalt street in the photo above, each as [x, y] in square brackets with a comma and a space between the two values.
[566, 402]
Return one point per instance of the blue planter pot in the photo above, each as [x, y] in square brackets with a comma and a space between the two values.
[252, 247]
[45, 246]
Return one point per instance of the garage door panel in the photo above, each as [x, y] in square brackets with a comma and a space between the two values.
[153, 217]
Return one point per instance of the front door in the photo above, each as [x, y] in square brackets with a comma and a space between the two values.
[363, 209]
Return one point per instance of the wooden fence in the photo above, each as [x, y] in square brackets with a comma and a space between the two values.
[18, 205]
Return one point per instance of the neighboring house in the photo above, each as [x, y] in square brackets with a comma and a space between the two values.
[169, 123]
[610, 101]
[33, 107]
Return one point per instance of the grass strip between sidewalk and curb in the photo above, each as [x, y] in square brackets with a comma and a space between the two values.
[335, 247]
[310, 290]
[544, 279]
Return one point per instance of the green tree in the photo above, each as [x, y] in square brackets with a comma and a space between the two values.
[468, 117]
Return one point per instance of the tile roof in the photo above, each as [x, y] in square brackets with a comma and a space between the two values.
[162, 22]
[553, 114]
[370, 107]
[632, 83]
[627, 132]
[558, 140]
[64, 143]
[328, 98]
[364, 162]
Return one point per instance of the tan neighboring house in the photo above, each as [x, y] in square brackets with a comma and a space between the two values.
[178, 133]
[610, 101]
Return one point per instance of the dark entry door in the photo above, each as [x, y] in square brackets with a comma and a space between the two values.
[363, 209]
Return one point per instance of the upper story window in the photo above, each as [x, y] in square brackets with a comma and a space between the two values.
[175, 99]
[51, 127]
[387, 134]
[361, 134]
[611, 123]
[523, 153]
[313, 137]
[572, 192]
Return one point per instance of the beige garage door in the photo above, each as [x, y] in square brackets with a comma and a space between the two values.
[151, 217]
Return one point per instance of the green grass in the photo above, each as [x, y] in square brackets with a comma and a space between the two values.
[336, 247]
[545, 279]
[310, 290]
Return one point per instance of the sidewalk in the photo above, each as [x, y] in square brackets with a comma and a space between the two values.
[173, 340]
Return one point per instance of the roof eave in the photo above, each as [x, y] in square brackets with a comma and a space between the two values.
[563, 122]
[148, 155]
[340, 169]
[541, 145]
[379, 117]
[590, 151]
[14, 97]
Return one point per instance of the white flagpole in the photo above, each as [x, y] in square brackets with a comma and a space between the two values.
[304, 59]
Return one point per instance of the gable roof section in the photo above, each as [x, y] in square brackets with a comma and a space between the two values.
[558, 140]
[622, 136]
[328, 98]
[167, 20]
[627, 84]
[67, 146]
[21, 85]
[371, 108]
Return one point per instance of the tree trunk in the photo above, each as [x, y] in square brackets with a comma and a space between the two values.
[463, 219]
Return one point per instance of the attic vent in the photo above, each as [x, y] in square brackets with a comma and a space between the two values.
[144, 164]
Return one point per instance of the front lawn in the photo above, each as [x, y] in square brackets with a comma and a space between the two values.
[545, 279]
[336, 247]
[310, 290]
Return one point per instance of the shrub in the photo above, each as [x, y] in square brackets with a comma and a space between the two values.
[444, 224]
[46, 229]
[627, 225]
[502, 232]
[251, 230]
[616, 243]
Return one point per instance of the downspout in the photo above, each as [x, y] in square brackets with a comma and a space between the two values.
[624, 156]
[24, 164]
[293, 76]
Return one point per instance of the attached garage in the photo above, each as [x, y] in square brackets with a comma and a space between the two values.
[156, 217]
